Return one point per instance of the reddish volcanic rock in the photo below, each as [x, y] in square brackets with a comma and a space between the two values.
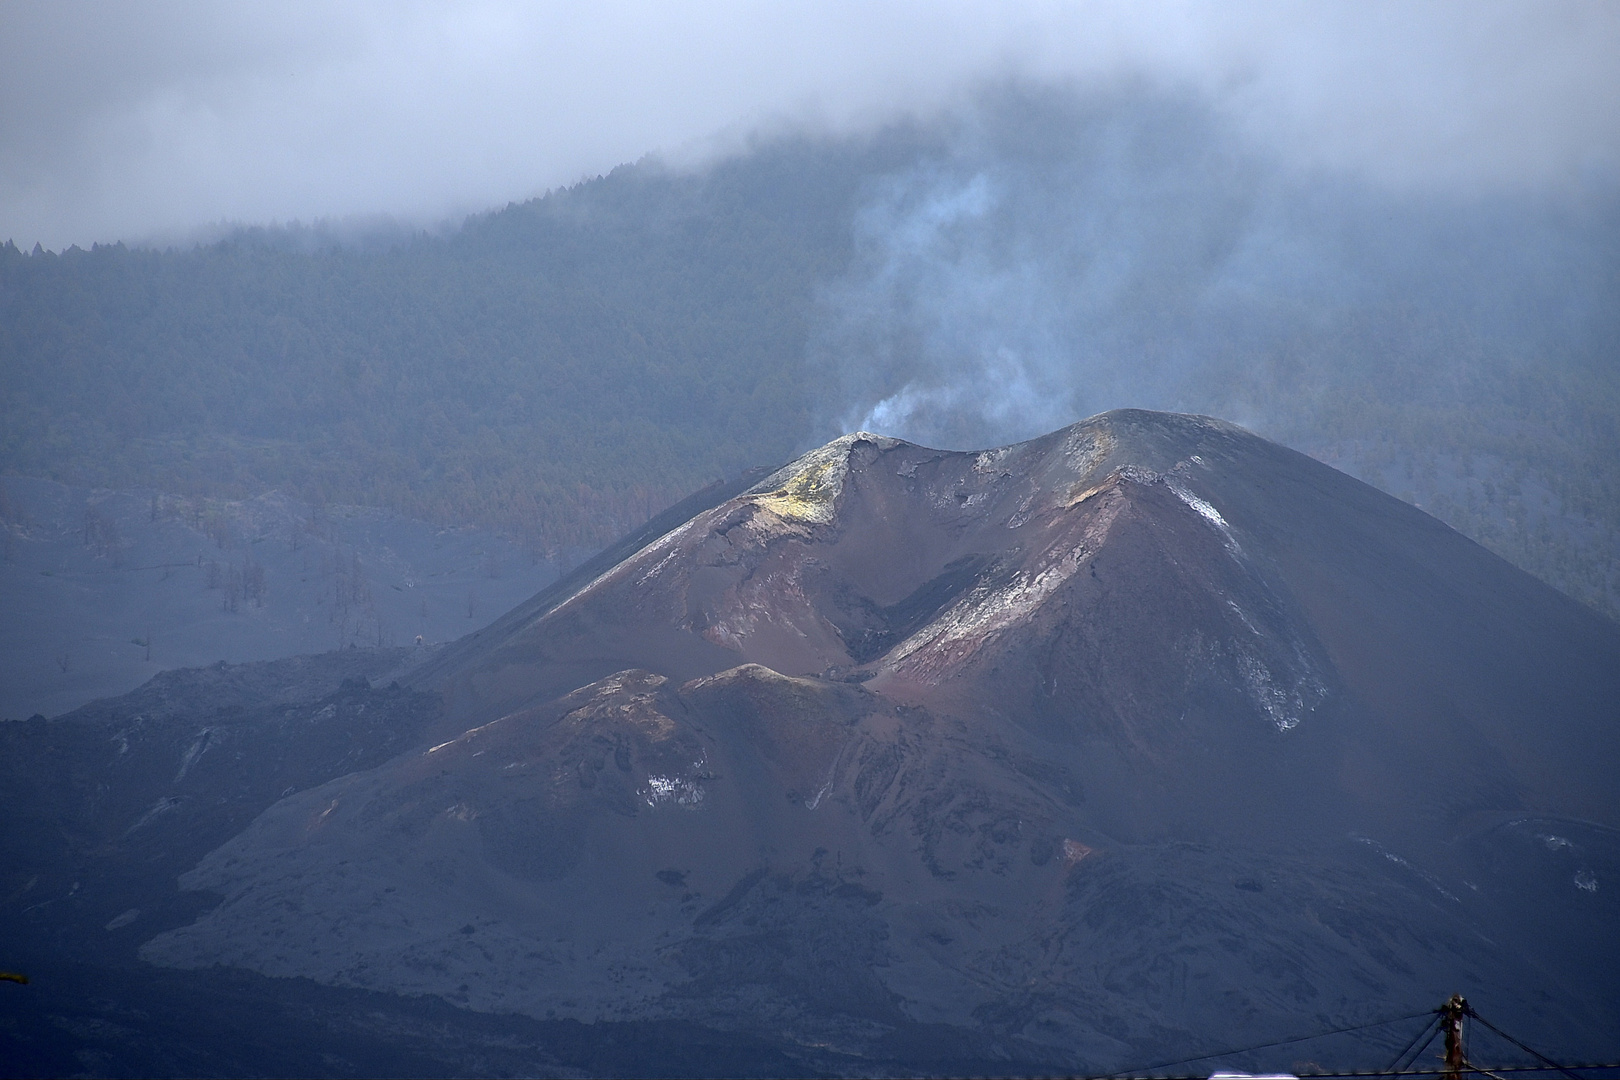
[1148, 734]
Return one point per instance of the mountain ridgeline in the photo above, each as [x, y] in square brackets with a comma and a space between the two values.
[564, 367]
[1141, 740]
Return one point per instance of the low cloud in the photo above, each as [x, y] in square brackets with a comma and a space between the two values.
[128, 120]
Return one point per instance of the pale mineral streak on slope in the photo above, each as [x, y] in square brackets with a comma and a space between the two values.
[1281, 708]
[804, 491]
[809, 496]
[791, 503]
[802, 494]
[832, 778]
[196, 751]
[628, 697]
[986, 611]
[1204, 509]
[663, 549]
[162, 806]
[1084, 450]
[807, 489]
[673, 789]
[1285, 708]
[991, 461]
[1243, 617]
[658, 567]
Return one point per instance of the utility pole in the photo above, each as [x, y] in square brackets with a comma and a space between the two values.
[1451, 1018]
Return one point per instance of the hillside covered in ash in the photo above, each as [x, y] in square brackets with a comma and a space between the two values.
[1141, 740]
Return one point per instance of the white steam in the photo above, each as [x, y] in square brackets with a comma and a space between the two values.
[1054, 255]
[959, 302]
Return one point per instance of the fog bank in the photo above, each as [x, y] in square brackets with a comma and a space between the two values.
[129, 121]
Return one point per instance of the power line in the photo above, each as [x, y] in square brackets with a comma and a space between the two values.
[1551, 1064]
[1413, 1048]
[1267, 1046]
[1412, 1074]
[1402, 1065]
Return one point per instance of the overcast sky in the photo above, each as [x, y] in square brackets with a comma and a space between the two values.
[132, 120]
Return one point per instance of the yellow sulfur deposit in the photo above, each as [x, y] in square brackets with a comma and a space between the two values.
[808, 496]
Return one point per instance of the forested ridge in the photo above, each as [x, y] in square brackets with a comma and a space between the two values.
[563, 368]
[560, 368]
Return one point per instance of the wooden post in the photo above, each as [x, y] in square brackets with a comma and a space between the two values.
[1451, 1017]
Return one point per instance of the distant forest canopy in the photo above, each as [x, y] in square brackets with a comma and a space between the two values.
[562, 368]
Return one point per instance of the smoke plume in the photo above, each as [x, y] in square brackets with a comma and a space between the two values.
[1054, 255]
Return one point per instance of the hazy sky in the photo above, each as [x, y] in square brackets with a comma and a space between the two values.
[125, 120]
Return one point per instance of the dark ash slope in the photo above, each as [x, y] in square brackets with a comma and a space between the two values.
[1143, 738]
